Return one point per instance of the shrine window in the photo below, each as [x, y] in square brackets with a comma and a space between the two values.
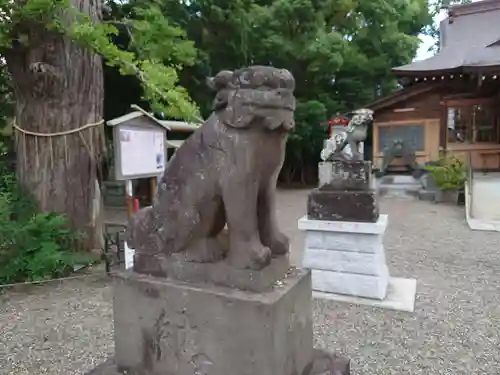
[473, 123]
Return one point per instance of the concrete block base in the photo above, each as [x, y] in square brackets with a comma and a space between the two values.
[169, 327]
[367, 286]
[346, 262]
[400, 296]
[346, 257]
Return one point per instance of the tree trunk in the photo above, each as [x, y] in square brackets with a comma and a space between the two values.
[58, 88]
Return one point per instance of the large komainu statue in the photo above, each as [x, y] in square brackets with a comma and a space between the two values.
[226, 172]
[354, 134]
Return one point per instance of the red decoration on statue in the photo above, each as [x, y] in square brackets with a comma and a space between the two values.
[338, 120]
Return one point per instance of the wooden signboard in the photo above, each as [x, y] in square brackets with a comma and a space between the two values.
[139, 149]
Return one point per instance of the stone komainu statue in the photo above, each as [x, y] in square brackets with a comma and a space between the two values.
[355, 133]
[225, 172]
[403, 150]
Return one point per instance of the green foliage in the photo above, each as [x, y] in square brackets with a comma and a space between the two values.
[303, 144]
[308, 135]
[449, 174]
[156, 53]
[6, 101]
[33, 245]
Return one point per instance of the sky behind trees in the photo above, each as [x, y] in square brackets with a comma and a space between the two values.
[427, 41]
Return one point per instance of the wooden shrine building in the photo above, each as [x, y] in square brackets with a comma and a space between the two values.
[449, 104]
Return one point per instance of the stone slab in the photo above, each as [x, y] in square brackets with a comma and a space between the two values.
[401, 295]
[352, 284]
[343, 205]
[342, 174]
[169, 327]
[399, 179]
[482, 225]
[400, 187]
[478, 224]
[378, 227]
[219, 273]
[323, 363]
[427, 195]
[395, 191]
[337, 241]
[346, 261]
[324, 173]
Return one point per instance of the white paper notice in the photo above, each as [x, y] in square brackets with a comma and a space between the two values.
[159, 151]
[129, 256]
[142, 152]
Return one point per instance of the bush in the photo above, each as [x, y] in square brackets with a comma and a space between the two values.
[33, 245]
[449, 174]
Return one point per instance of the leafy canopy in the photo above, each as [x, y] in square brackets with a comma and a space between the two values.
[156, 52]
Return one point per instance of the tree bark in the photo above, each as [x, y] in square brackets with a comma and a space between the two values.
[59, 87]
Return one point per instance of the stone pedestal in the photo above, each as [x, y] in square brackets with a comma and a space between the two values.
[346, 257]
[345, 175]
[193, 322]
[169, 327]
[333, 205]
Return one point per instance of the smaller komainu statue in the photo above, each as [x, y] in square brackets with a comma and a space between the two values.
[354, 134]
[400, 149]
[224, 173]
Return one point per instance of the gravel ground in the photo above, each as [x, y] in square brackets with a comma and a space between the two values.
[67, 328]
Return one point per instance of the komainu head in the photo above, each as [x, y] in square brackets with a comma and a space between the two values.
[253, 97]
[360, 117]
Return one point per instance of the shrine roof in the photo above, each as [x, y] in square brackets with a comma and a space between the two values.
[470, 40]
[402, 94]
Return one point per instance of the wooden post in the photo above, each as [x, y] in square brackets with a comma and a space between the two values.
[152, 188]
[129, 196]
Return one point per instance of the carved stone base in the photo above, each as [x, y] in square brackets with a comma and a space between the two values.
[342, 174]
[170, 327]
[338, 205]
[322, 364]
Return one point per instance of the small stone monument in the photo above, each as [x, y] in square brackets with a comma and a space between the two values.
[202, 300]
[344, 229]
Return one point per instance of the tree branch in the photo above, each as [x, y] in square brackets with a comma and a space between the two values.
[122, 23]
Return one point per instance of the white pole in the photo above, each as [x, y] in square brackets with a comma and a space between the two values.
[129, 252]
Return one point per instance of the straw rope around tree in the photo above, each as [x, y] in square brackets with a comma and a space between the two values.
[88, 145]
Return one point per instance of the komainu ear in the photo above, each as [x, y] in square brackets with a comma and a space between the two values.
[210, 83]
[220, 81]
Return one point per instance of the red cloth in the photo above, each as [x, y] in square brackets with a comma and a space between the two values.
[336, 121]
